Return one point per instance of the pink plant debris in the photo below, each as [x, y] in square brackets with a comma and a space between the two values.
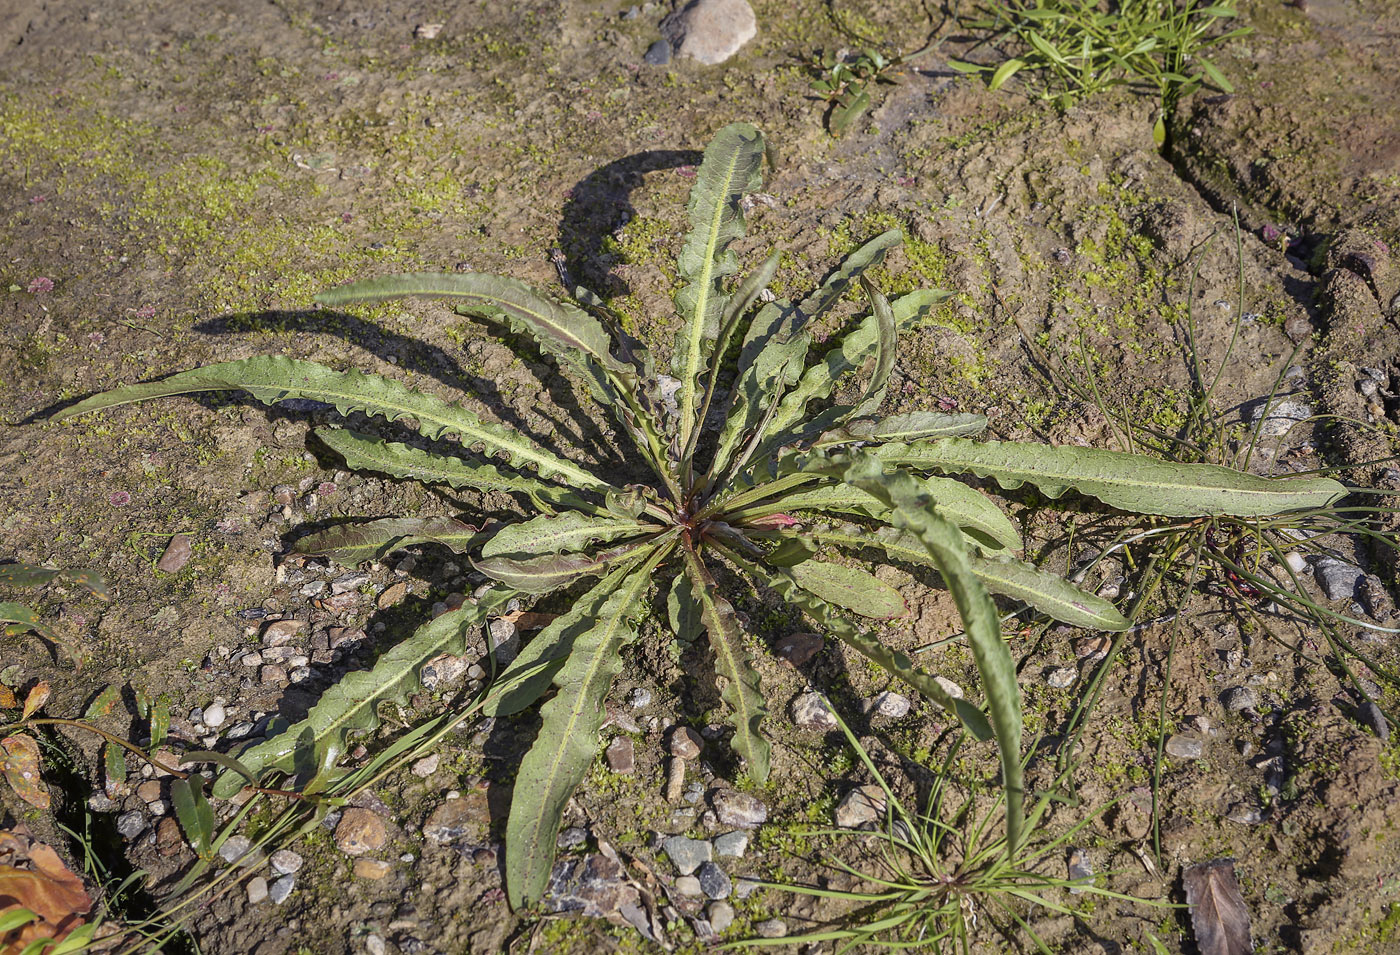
[146, 311]
[119, 499]
[326, 488]
[40, 285]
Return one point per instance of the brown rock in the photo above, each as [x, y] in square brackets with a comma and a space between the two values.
[360, 831]
[798, 648]
[372, 869]
[281, 632]
[392, 594]
[149, 791]
[272, 673]
[685, 742]
[620, 755]
[169, 839]
[456, 818]
[177, 554]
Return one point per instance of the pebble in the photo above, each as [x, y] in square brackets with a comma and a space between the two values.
[1280, 416]
[1061, 677]
[391, 595]
[1185, 747]
[686, 854]
[214, 715]
[689, 886]
[349, 583]
[659, 53]
[272, 673]
[743, 887]
[1296, 562]
[710, 31]
[257, 890]
[425, 767]
[148, 791]
[621, 755]
[675, 779]
[1370, 715]
[713, 881]
[949, 687]
[639, 698]
[685, 742]
[738, 810]
[572, 838]
[1245, 815]
[771, 928]
[132, 824]
[281, 632]
[238, 850]
[374, 945]
[360, 831]
[720, 915]
[1337, 578]
[1080, 870]
[733, 844]
[810, 712]
[281, 889]
[890, 705]
[285, 861]
[1239, 698]
[861, 806]
[372, 869]
[177, 554]
[798, 648]
[252, 659]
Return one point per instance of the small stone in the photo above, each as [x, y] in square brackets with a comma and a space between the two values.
[349, 583]
[710, 31]
[360, 831]
[572, 838]
[949, 687]
[689, 886]
[1280, 416]
[1239, 698]
[457, 818]
[675, 779]
[771, 928]
[861, 806]
[738, 810]
[720, 915]
[391, 595]
[272, 673]
[743, 888]
[281, 632]
[1370, 715]
[285, 861]
[177, 554]
[313, 589]
[239, 730]
[257, 889]
[621, 756]
[1093, 648]
[733, 844]
[890, 705]
[148, 791]
[427, 31]
[284, 494]
[1081, 871]
[685, 742]
[425, 767]
[713, 881]
[810, 712]
[132, 824]
[374, 945]
[279, 891]
[1061, 677]
[1337, 578]
[372, 869]
[1296, 562]
[214, 715]
[252, 659]
[798, 648]
[658, 54]
[169, 839]
[239, 851]
[1185, 747]
[1244, 815]
[687, 855]
[639, 698]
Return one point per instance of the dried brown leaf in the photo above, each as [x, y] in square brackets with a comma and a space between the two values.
[38, 696]
[47, 888]
[1218, 913]
[7, 698]
[19, 762]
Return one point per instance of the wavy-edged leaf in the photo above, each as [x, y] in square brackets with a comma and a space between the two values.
[971, 510]
[1219, 916]
[849, 587]
[274, 378]
[912, 511]
[555, 533]
[852, 267]
[1049, 593]
[26, 575]
[731, 168]
[886, 337]
[313, 745]
[1129, 482]
[910, 426]
[682, 611]
[539, 575]
[17, 618]
[895, 662]
[358, 542]
[362, 452]
[743, 692]
[568, 737]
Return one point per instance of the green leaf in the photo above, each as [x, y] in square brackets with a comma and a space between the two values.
[160, 720]
[20, 618]
[568, 738]
[194, 813]
[102, 703]
[1004, 72]
[743, 692]
[962, 66]
[912, 511]
[732, 167]
[552, 534]
[910, 426]
[849, 587]
[852, 107]
[273, 378]
[1159, 132]
[26, 575]
[114, 765]
[852, 267]
[683, 612]
[1215, 75]
[14, 919]
[364, 453]
[358, 542]
[313, 745]
[886, 338]
[539, 575]
[1130, 482]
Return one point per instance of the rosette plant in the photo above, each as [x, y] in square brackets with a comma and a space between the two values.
[793, 469]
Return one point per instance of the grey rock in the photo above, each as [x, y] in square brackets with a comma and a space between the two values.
[659, 53]
[733, 844]
[1337, 578]
[239, 851]
[810, 712]
[572, 837]
[713, 881]
[745, 887]
[1370, 715]
[349, 583]
[1061, 677]
[1280, 416]
[1239, 698]
[215, 715]
[890, 705]
[710, 31]
[425, 767]
[1245, 815]
[285, 861]
[738, 810]
[771, 928]
[861, 806]
[639, 698]
[687, 855]
[721, 916]
[1185, 747]
[685, 742]
[1080, 870]
[689, 886]
[132, 824]
[279, 891]
[177, 554]
[505, 638]
[257, 890]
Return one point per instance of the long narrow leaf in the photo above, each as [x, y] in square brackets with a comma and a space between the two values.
[538, 575]
[911, 426]
[553, 534]
[849, 587]
[370, 540]
[851, 269]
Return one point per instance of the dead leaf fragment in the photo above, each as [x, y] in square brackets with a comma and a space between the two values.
[36, 699]
[7, 698]
[45, 887]
[1218, 913]
[19, 761]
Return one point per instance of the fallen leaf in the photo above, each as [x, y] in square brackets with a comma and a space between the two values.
[7, 698]
[46, 888]
[19, 761]
[529, 620]
[38, 696]
[1218, 913]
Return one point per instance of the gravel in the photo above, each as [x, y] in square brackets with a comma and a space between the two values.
[713, 881]
[733, 844]
[738, 810]
[686, 854]
[810, 712]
